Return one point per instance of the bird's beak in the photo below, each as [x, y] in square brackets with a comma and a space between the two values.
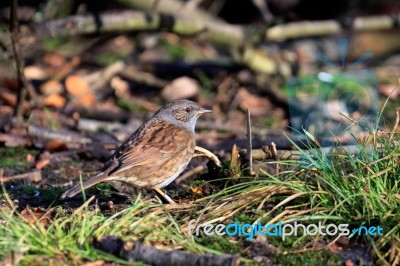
[202, 111]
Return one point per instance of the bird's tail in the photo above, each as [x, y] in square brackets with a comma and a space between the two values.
[86, 184]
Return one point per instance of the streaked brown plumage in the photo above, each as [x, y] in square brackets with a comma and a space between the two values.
[156, 153]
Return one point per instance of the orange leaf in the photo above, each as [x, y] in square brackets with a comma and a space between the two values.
[30, 158]
[54, 60]
[50, 87]
[54, 144]
[31, 215]
[197, 190]
[55, 100]
[79, 89]
[42, 163]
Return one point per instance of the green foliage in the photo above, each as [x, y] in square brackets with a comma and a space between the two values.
[220, 243]
[175, 52]
[53, 43]
[107, 58]
[43, 194]
[308, 258]
[68, 238]
[129, 106]
[15, 157]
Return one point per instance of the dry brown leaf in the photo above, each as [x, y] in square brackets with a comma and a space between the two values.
[181, 88]
[77, 86]
[7, 97]
[30, 158]
[34, 72]
[6, 110]
[258, 106]
[50, 87]
[54, 100]
[55, 144]
[32, 215]
[389, 90]
[11, 99]
[120, 86]
[54, 60]
[42, 163]
[67, 68]
[15, 141]
[197, 190]
[79, 89]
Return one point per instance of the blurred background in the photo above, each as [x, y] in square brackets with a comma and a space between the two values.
[105, 66]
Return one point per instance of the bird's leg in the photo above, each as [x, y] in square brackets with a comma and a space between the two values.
[208, 154]
[162, 193]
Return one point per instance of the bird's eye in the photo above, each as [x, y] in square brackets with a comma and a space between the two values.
[188, 110]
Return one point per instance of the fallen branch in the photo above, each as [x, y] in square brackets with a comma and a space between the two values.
[64, 135]
[34, 176]
[269, 153]
[216, 30]
[137, 251]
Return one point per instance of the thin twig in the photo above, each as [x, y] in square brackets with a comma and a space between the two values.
[35, 176]
[249, 155]
[396, 123]
[14, 30]
[209, 155]
[64, 135]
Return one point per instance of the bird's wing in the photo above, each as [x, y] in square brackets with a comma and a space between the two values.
[149, 147]
[145, 146]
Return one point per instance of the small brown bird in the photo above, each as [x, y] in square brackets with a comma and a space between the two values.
[155, 154]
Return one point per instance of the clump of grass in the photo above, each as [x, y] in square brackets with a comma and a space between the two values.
[358, 187]
[361, 189]
[68, 238]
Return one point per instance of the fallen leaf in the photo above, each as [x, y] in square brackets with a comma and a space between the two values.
[181, 88]
[54, 144]
[120, 86]
[349, 262]
[8, 98]
[54, 100]
[258, 106]
[30, 158]
[54, 60]
[34, 72]
[15, 141]
[389, 90]
[50, 87]
[32, 215]
[197, 190]
[80, 91]
[42, 163]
